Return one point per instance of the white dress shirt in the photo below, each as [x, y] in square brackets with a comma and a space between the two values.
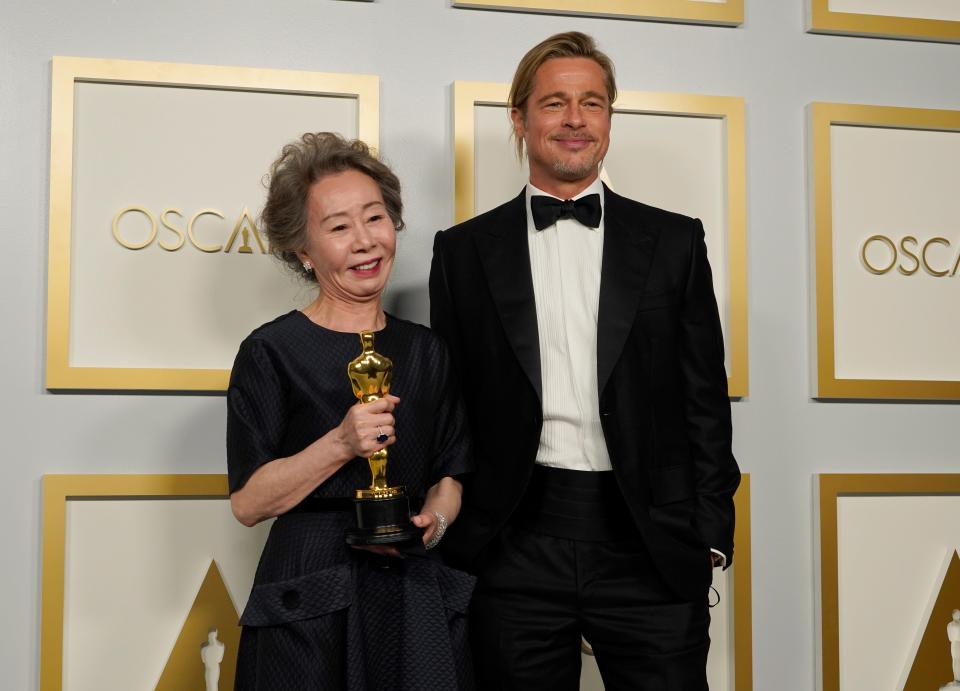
[565, 261]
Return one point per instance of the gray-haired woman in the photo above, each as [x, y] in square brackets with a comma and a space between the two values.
[323, 615]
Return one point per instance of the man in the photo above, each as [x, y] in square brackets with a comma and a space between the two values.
[587, 340]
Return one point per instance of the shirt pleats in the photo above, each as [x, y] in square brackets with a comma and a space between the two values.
[565, 262]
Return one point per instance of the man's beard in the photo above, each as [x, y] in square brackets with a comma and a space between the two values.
[573, 170]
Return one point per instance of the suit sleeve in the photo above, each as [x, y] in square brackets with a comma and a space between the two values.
[707, 405]
[440, 307]
[443, 318]
[452, 445]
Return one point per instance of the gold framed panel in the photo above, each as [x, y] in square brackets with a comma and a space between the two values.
[822, 117]
[725, 13]
[831, 488]
[730, 109]
[57, 491]
[67, 73]
[826, 21]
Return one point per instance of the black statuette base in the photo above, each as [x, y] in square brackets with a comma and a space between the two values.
[383, 522]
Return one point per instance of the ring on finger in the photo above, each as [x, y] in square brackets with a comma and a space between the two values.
[381, 437]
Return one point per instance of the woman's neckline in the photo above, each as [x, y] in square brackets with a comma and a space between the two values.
[387, 318]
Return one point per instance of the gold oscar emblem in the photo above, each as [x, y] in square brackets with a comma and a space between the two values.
[383, 512]
[245, 248]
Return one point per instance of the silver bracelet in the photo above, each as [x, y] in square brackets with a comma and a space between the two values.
[438, 533]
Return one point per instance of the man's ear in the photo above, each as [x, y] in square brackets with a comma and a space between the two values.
[516, 116]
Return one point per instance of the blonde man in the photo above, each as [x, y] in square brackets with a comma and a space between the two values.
[585, 331]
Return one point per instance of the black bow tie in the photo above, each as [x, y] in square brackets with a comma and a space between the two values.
[548, 210]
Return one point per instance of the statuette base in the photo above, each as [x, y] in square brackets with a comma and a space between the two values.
[383, 520]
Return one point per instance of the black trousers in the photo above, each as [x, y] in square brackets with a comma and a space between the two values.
[539, 592]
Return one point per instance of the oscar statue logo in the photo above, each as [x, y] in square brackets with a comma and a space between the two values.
[383, 512]
[953, 635]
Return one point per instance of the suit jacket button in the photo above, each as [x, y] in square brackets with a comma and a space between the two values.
[290, 599]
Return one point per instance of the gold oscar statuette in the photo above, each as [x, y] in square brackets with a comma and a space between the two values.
[383, 512]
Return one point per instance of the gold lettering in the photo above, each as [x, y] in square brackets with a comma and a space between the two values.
[244, 223]
[863, 254]
[168, 226]
[192, 235]
[956, 265]
[923, 254]
[916, 260]
[115, 227]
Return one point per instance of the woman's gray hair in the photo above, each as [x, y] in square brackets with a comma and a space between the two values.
[300, 164]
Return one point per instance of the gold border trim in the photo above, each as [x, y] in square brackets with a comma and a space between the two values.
[57, 491]
[825, 21]
[68, 71]
[731, 109]
[743, 589]
[823, 116]
[831, 488]
[728, 13]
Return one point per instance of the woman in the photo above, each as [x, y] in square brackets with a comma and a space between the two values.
[323, 615]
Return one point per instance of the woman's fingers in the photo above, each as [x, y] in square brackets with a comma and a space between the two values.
[370, 427]
[386, 428]
[367, 421]
[385, 404]
[424, 520]
[427, 521]
[380, 420]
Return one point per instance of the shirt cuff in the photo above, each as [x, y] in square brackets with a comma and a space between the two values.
[723, 558]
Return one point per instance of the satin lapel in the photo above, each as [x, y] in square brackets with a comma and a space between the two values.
[628, 246]
[505, 255]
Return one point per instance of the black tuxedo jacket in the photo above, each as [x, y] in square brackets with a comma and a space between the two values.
[663, 390]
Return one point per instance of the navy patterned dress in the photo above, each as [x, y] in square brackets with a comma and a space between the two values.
[322, 615]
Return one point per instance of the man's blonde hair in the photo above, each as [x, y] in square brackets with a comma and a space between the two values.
[572, 44]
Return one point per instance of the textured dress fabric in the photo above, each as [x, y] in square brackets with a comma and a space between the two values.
[322, 615]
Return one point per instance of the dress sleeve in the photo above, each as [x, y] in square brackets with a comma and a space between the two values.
[453, 448]
[256, 412]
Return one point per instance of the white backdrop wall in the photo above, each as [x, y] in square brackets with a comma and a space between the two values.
[419, 47]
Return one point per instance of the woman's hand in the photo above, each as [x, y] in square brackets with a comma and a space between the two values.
[433, 526]
[440, 509]
[443, 499]
[365, 423]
